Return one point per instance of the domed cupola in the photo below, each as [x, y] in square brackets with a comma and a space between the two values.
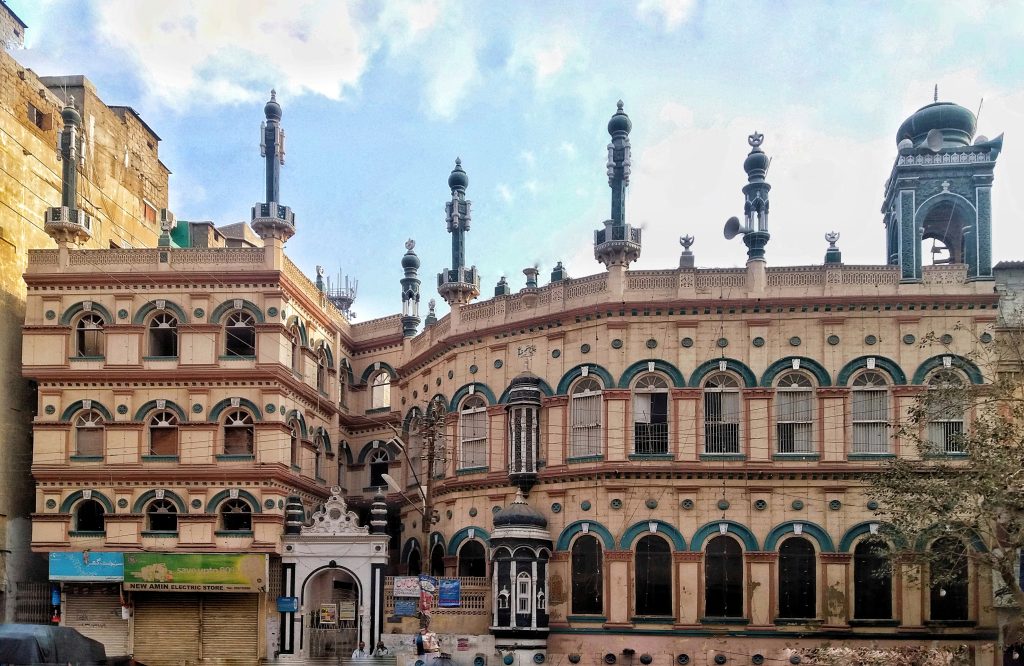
[523, 407]
[951, 122]
[520, 514]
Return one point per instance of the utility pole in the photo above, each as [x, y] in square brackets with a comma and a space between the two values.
[432, 431]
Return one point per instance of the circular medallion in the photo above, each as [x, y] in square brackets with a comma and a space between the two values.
[270, 407]
[870, 340]
[50, 315]
[652, 343]
[420, 662]
[646, 659]
[616, 344]
[757, 659]
[197, 408]
[538, 658]
[723, 504]
[415, 394]
[651, 503]
[196, 503]
[498, 363]
[760, 504]
[585, 505]
[946, 339]
[794, 341]
[986, 338]
[574, 658]
[797, 505]
[508, 659]
[833, 340]
[872, 505]
[794, 659]
[686, 342]
[269, 504]
[758, 341]
[425, 387]
[122, 314]
[555, 353]
[479, 661]
[280, 504]
[448, 514]
[909, 339]
[722, 342]
[683, 659]
[438, 381]
[281, 408]
[686, 504]
[451, 374]
[616, 503]
[610, 658]
[472, 512]
[51, 504]
[584, 348]
[271, 311]
[122, 503]
[198, 313]
[495, 509]
[720, 659]
[122, 409]
[473, 369]
[835, 505]
[49, 409]
[403, 398]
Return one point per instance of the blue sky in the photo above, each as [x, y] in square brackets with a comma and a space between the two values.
[379, 98]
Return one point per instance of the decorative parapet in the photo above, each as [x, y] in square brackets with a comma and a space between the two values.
[967, 156]
[376, 328]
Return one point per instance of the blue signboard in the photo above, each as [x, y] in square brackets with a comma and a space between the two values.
[405, 607]
[287, 604]
[451, 593]
[87, 566]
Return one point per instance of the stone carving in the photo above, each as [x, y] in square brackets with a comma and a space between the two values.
[334, 518]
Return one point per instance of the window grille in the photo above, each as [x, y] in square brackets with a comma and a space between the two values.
[524, 595]
[379, 463]
[870, 410]
[650, 415]
[586, 419]
[473, 433]
[794, 410]
[945, 406]
[722, 414]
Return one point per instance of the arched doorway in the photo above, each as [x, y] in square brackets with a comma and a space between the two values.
[330, 604]
[437, 560]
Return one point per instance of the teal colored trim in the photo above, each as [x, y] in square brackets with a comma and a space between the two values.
[709, 367]
[295, 415]
[958, 362]
[326, 346]
[711, 529]
[374, 368]
[346, 367]
[437, 399]
[640, 367]
[345, 448]
[141, 412]
[479, 388]
[411, 545]
[825, 544]
[219, 408]
[435, 538]
[77, 458]
[761, 634]
[870, 456]
[723, 456]
[781, 457]
[234, 457]
[160, 358]
[594, 528]
[586, 618]
[584, 459]
[862, 528]
[575, 373]
[89, 533]
[651, 456]
[301, 325]
[170, 306]
[463, 535]
[78, 406]
[75, 497]
[882, 363]
[937, 532]
[146, 497]
[159, 534]
[821, 375]
[78, 359]
[412, 414]
[149, 458]
[215, 501]
[240, 534]
[545, 388]
[470, 470]
[653, 619]
[229, 305]
[77, 308]
[233, 357]
[322, 434]
[643, 529]
[393, 451]
[740, 621]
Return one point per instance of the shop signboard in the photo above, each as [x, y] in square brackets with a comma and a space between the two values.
[195, 572]
[88, 567]
[407, 586]
[405, 607]
[347, 610]
[288, 604]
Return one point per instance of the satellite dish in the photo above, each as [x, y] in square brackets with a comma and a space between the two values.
[733, 228]
[934, 140]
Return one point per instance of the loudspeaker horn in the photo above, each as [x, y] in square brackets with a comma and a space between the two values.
[934, 140]
[734, 228]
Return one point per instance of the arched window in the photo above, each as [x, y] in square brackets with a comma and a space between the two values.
[89, 516]
[296, 346]
[472, 561]
[239, 433]
[650, 415]
[414, 452]
[794, 413]
[437, 560]
[413, 564]
[240, 334]
[587, 578]
[870, 396]
[379, 462]
[797, 579]
[872, 581]
[295, 444]
[163, 335]
[380, 390]
[723, 578]
[163, 433]
[89, 433]
[585, 406]
[948, 580]
[524, 593]
[321, 371]
[653, 566]
[945, 412]
[318, 456]
[473, 433]
[236, 516]
[89, 335]
[162, 516]
[721, 414]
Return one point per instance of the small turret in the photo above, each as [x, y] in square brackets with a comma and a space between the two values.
[558, 273]
[686, 256]
[458, 285]
[755, 193]
[67, 224]
[410, 290]
[832, 254]
[502, 288]
[270, 219]
[618, 244]
[379, 514]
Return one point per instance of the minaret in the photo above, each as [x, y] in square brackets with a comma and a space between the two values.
[458, 284]
[272, 221]
[67, 224]
[618, 244]
[755, 199]
[410, 290]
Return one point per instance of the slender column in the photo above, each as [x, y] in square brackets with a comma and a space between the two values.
[533, 595]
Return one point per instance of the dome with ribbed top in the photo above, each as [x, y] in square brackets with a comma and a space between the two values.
[520, 514]
[956, 123]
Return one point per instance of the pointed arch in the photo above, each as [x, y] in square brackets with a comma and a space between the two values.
[821, 375]
[322, 433]
[217, 409]
[645, 365]
[146, 497]
[345, 368]
[75, 497]
[328, 352]
[79, 405]
[810, 529]
[732, 527]
[146, 408]
[478, 387]
[211, 506]
[574, 373]
[296, 321]
[374, 368]
[882, 363]
[79, 307]
[714, 365]
[411, 544]
[170, 306]
[590, 527]
[296, 415]
[436, 539]
[464, 534]
[229, 305]
[643, 528]
[545, 388]
[959, 362]
[410, 416]
[862, 528]
[346, 450]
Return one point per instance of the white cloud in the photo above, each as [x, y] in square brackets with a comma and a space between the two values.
[567, 149]
[549, 55]
[505, 192]
[531, 186]
[528, 157]
[672, 12]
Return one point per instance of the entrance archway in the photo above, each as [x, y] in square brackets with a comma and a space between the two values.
[330, 600]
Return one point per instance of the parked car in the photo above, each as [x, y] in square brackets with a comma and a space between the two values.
[53, 646]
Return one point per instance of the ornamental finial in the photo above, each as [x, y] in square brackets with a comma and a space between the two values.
[832, 237]
[410, 244]
[686, 241]
[756, 139]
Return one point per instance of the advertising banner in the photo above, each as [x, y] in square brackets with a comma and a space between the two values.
[451, 593]
[195, 572]
[428, 586]
[407, 586]
[94, 567]
[405, 607]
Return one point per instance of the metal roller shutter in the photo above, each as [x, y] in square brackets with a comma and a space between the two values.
[166, 629]
[96, 612]
[230, 632]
